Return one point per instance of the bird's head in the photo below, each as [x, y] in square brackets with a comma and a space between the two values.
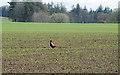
[50, 40]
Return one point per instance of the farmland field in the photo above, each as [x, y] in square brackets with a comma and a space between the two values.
[86, 48]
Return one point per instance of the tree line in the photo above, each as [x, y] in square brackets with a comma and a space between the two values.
[57, 13]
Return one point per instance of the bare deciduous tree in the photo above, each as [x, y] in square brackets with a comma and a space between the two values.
[40, 17]
[60, 18]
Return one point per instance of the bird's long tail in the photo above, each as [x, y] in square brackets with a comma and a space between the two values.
[58, 46]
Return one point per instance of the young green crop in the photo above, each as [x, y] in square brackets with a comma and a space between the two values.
[58, 27]
[90, 48]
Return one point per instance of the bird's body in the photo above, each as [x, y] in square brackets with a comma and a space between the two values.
[52, 45]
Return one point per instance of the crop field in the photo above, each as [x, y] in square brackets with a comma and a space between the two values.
[85, 48]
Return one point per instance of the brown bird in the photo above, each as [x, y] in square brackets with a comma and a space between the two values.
[53, 46]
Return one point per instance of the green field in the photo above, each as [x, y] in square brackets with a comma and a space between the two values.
[58, 27]
[86, 48]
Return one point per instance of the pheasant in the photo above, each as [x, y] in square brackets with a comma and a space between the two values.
[53, 46]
